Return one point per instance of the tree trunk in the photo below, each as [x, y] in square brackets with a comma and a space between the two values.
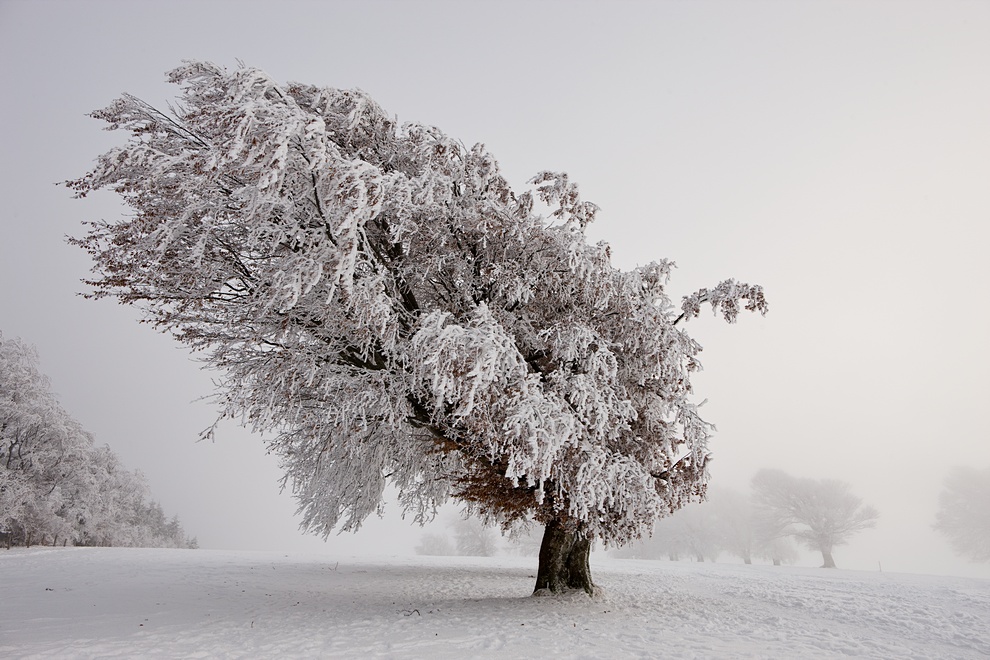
[564, 560]
[829, 562]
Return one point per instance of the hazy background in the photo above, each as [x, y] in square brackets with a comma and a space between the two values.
[837, 153]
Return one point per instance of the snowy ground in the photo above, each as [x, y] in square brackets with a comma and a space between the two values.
[87, 603]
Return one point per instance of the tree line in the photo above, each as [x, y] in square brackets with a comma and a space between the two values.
[57, 486]
[473, 537]
[780, 512]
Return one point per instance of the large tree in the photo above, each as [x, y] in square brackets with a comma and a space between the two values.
[822, 513]
[379, 297]
[964, 512]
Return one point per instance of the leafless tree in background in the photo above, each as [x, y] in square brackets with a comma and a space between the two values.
[820, 513]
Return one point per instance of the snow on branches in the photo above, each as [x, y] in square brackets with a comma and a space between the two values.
[381, 299]
[725, 298]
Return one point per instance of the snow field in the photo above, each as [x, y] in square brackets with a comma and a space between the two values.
[110, 603]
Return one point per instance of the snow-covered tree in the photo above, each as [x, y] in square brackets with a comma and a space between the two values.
[56, 485]
[820, 513]
[380, 299]
[42, 449]
[964, 512]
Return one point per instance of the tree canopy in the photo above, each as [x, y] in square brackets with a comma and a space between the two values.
[381, 300]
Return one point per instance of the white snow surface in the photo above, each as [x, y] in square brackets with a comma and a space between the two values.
[110, 602]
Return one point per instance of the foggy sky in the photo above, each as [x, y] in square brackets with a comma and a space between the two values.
[836, 153]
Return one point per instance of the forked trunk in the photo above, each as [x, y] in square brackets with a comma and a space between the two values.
[829, 562]
[564, 560]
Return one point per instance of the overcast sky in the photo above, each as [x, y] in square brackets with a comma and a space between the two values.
[838, 153]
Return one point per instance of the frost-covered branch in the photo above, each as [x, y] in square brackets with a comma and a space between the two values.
[726, 298]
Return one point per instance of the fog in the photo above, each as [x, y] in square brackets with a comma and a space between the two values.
[836, 153]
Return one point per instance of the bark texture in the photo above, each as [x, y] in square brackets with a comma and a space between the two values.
[829, 562]
[564, 560]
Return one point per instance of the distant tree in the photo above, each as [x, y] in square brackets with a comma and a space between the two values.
[657, 546]
[433, 543]
[382, 301]
[964, 512]
[692, 531]
[726, 522]
[524, 539]
[475, 539]
[779, 550]
[820, 513]
[734, 524]
[471, 537]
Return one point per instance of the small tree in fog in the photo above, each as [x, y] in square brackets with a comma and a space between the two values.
[779, 550]
[693, 531]
[820, 513]
[433, 543]
[474, 538]
[964, 512]
[661, 545]
[726, 522]
[696, 529]
[734, 520]
[524, 539]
